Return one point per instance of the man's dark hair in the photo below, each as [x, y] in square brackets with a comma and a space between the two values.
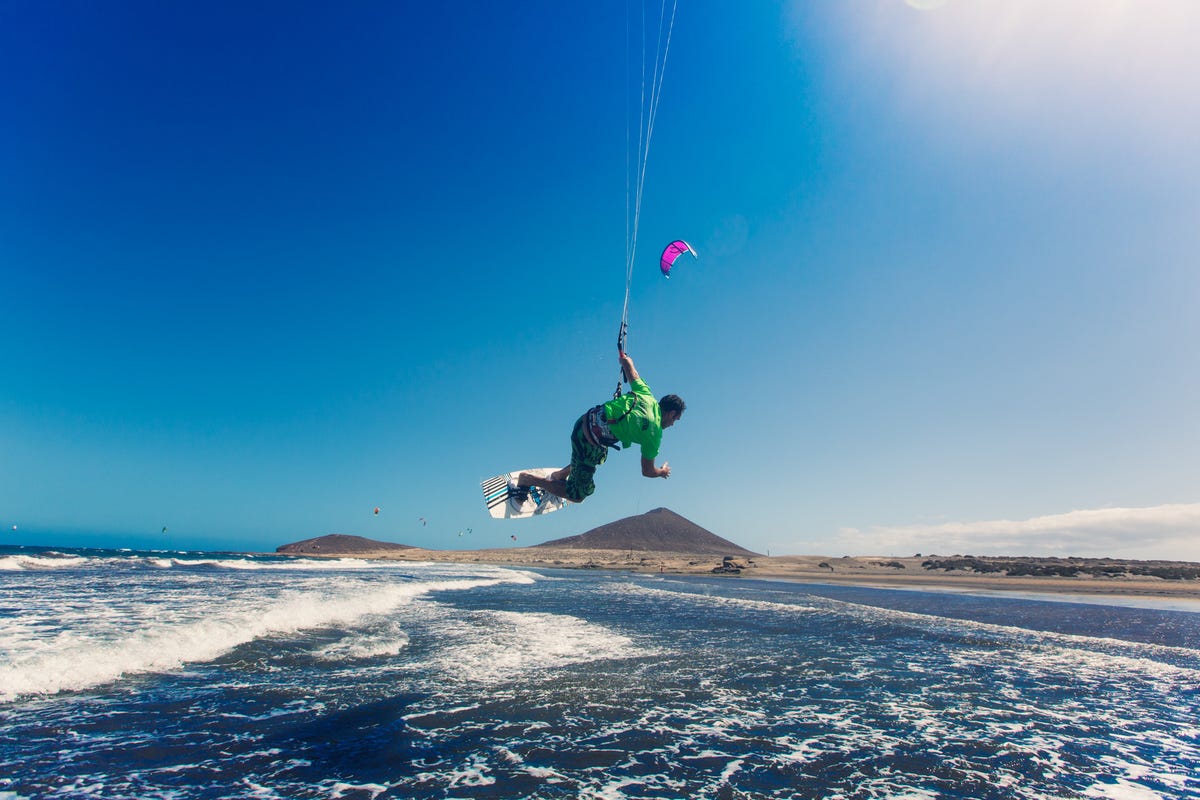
[672, 402]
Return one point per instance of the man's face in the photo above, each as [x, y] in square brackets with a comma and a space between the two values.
[670, 418]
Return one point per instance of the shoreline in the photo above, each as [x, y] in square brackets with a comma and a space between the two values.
[877, 572]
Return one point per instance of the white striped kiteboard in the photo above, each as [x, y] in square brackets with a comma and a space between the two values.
[502, 505]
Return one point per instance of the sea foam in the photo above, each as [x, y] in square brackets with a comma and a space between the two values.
[175, 635]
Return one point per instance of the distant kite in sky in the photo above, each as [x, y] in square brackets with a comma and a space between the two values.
[377, 511]
[671, 254]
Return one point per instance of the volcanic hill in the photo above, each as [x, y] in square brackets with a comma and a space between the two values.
[339, 544]
[660, 530]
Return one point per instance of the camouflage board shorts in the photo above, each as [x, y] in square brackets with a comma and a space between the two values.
[585, 457]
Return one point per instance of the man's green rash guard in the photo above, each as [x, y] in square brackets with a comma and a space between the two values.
[643, 423]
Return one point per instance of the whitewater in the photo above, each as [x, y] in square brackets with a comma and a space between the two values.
[198, 675]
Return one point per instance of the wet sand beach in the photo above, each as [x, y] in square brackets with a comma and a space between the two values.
[883, 571]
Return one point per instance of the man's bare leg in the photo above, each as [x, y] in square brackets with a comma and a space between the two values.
[555, 484]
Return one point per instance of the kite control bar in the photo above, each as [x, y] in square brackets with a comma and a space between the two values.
[621, 349]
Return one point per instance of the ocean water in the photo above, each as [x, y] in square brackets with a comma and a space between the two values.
[171, 675]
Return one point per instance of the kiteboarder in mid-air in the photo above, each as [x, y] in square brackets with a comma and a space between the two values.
[632, 417]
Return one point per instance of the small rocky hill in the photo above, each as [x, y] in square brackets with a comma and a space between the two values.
[339, 544]
[660, 530]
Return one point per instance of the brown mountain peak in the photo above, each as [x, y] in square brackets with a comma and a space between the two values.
[339, 544]
[659, 530]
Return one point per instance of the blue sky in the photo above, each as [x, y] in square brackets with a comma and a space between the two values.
[267, 266]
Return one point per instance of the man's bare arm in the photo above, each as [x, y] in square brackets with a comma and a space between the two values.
[627, 367]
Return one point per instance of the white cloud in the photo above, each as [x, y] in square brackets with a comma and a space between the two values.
[1156, 532]
[1076, 75]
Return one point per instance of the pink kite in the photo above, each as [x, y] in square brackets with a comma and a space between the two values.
[672, 253]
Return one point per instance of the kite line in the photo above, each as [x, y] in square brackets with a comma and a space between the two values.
[647, 114]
